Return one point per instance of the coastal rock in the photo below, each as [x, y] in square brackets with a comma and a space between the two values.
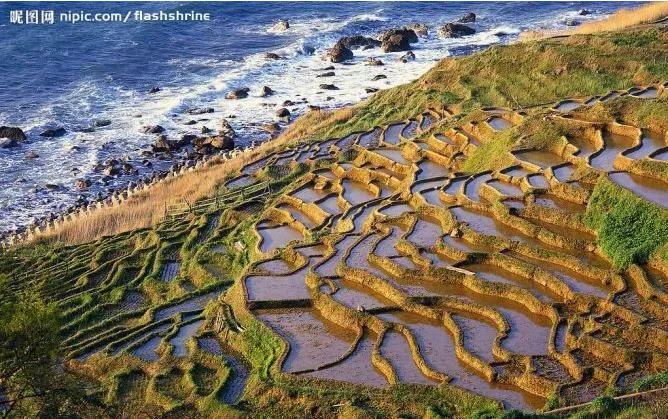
[82, 184]
[272, 128]
[102, 123]
[374, 61]
[455, 30]
[314, 108]
[191, 122]
[281, 26]
[266, 91]
[111, 171]
[200, 111]
[206, 130]
[339, 53]
[283, 113]
[222, 143]
[327, 74]
[238, 93]
[584, 12]
[328, 87]
[467, 18]
[359, 41]
[272, 56]
[54, 132]
[8, 143]
[305, 49]
[571, 22]
[12, 133]
[187, 139]
[163, 144]
[32, 155]
[226, 129]
[379, 77]
[288, 103]
[409, 56]
[152, 129]
[370, 90]
[328, 68]
[154, 90]
[395, 40]
[420, 29]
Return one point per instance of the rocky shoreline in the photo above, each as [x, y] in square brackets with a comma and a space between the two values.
[167, 157]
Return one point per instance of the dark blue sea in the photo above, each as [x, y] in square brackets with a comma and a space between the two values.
[70, 75]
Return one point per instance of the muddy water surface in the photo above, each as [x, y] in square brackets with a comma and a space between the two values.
[276, 237]
[393, 132]
[614, 144]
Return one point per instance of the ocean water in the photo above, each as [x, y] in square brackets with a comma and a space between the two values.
[69, 75]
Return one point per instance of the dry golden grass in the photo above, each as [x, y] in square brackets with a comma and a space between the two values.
[623, 18]
[148, 208]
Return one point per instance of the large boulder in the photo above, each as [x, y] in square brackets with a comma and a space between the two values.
[12, 133]
[339, 53]
[455, 30]
[395, 40]
[222, 143]
[283, 113]
[467, 18]
[238, 93]
[163, 144]
[226, 129]
[359, 41]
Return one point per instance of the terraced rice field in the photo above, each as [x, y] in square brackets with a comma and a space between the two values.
[392, 266]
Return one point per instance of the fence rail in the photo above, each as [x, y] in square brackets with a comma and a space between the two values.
[218, 200]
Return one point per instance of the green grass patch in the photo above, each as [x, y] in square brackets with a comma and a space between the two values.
[491, 154]
[630, 229]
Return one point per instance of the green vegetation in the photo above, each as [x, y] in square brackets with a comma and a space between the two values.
[520, 75]
[629, 228]
[492, 154]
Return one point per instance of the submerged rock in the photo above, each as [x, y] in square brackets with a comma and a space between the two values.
[238, 93]
[370, 89]
[328, 87]
[12, 133]
[200, 111]
[154, 90]
[409, 56]
[281, 26]
[455, 30]
[283, 113]
[54, 132]
[374, 61]
[327, 74]
[467, 18]
[379, 77]
[102, 122]
[272, 56]
[266, 91]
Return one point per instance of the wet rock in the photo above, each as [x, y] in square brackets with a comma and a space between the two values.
[379, 77]
[314, 108]
[283, 113]
[226, 129]
[266, 91]
[571, 22]
[206, 130]
[409, 56]
[54, 132]
[305, 49]
[8, 143]
[339, 53]
[328, 68]
[288, 103]
[370, 90]
[584, 12]
[420, 29]
[272, 56]
[272, 128]
[154, 90]
[86, 129]
[82, 184]
[152, 129]
[238, 93]
[396, 40]
[200, 111]
[327, 74]
[222, 143]
[102, 123]
[281, 26]
[127, 168]
[328, 87]
[467, 18]
[163, 144]
[186, 139]
[374, 61]
[191, 122]
[455, 30]
[12, 133]
[359, 41]
[32, 155]
[52, 186]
